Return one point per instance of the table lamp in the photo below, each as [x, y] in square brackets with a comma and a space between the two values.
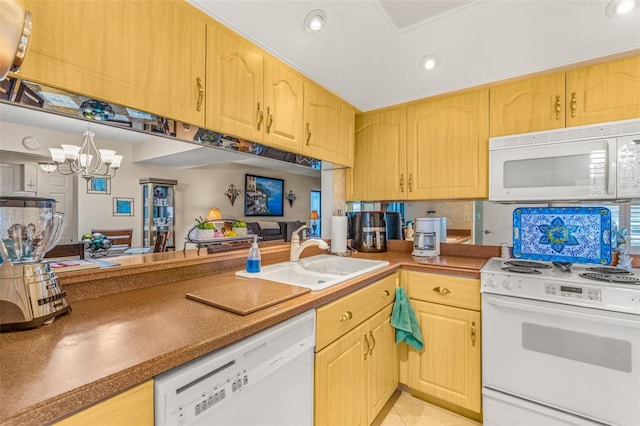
[314, 217]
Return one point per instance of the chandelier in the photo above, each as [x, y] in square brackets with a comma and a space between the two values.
[85, 160]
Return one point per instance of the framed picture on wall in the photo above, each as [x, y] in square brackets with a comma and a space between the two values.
[263, 196]
[99, 185]
[122, 206]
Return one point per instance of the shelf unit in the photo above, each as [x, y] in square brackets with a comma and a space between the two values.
[158, 196]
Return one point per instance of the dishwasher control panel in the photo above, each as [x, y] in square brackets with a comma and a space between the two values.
[228, 385]
[266, 374]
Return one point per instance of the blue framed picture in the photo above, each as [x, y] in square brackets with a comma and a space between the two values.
[263, 196]
[99, 185]
[122, 206]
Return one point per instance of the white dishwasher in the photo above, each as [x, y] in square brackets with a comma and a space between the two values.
[264, 379]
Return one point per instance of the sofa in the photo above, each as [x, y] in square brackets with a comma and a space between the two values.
[273, 230]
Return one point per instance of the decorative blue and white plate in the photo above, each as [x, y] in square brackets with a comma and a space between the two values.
[563, 234]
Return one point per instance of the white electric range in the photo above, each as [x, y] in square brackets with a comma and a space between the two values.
[560, 344]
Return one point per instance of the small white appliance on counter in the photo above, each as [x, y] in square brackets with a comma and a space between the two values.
[428, 235]
[265, 379]
[594, 162]
[560, 344]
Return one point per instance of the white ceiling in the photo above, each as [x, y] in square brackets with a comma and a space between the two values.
[369, 50]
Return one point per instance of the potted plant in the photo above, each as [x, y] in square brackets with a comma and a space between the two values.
[239, 227]
[206, 230]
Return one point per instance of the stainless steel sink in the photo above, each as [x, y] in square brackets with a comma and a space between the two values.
[316, 272]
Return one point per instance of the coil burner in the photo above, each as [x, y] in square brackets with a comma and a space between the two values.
[608, 270]
[521, 270]
[609, 278]
[527, 264]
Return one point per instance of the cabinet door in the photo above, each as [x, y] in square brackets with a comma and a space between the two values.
[133, 407]
[447, 147]
[328, 123]
[142, 54]
[382, 362]
[340, 379]
[604, 92]
[284, 103]
[378, 171]
[527, 105]
[448, 368]
[234, 93]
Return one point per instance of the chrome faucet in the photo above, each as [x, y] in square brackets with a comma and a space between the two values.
[297, 248]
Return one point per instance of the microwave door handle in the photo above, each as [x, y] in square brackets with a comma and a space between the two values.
[540, 308]
[611, 166]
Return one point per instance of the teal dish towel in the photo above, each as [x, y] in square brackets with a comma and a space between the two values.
[404, 319]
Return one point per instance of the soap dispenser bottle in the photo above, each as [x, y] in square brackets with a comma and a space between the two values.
[253, 258]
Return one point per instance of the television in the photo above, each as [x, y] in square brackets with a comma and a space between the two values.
[263, 196]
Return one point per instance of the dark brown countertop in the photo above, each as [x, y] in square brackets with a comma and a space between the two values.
[116, 338]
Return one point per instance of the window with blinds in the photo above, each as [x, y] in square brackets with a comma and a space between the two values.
[634, 228]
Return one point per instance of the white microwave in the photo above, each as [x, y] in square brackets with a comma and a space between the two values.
[586, 163]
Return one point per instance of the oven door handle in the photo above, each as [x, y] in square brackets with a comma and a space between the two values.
[612, 318]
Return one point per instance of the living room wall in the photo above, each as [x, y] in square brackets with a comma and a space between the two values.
[197, 191]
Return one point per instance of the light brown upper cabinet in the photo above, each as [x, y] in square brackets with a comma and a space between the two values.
[253, 96]
[379, 156]
[447, 147]
[603, 92]
[250, 95]
[591, 94]
[235, 83]
[433, 149]
[328, 126]
[527, 105]
[147, 55]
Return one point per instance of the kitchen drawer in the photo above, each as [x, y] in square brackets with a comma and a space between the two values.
[444, 289]
[339, 317]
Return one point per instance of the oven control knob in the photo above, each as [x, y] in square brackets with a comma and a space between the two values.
[507, 284]
[490, 282]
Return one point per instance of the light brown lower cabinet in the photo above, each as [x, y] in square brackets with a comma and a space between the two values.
[132, 408]
[449, 367]
[357, 372]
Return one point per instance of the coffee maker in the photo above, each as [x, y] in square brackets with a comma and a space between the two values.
[427, 237]
[369, 231]
[29, 292]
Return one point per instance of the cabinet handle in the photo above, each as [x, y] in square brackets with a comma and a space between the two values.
[410, 183]
[442, 290]
[373, 343]
[573, 104]
[366, 351]
[200, 93]
[269, 119]
[473, 333]
[385, 294]
[308, 134]
[558, 110]
[346, 316]
[260, 115]
[401, 182]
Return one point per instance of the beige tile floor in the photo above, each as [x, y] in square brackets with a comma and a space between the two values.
[410, 411]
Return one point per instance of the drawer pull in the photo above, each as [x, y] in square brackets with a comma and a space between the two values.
[346, 316]
[373, 343]
[442, 290]
[385, 294]
[200, 93]
[260, 114]
[366, 350]
[473, 333]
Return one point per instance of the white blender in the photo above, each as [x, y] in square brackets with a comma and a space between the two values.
[29, 292]
[427, 236]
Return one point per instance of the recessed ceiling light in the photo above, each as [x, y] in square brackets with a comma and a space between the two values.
[429, 62]
[315, 21]
[617, 8]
